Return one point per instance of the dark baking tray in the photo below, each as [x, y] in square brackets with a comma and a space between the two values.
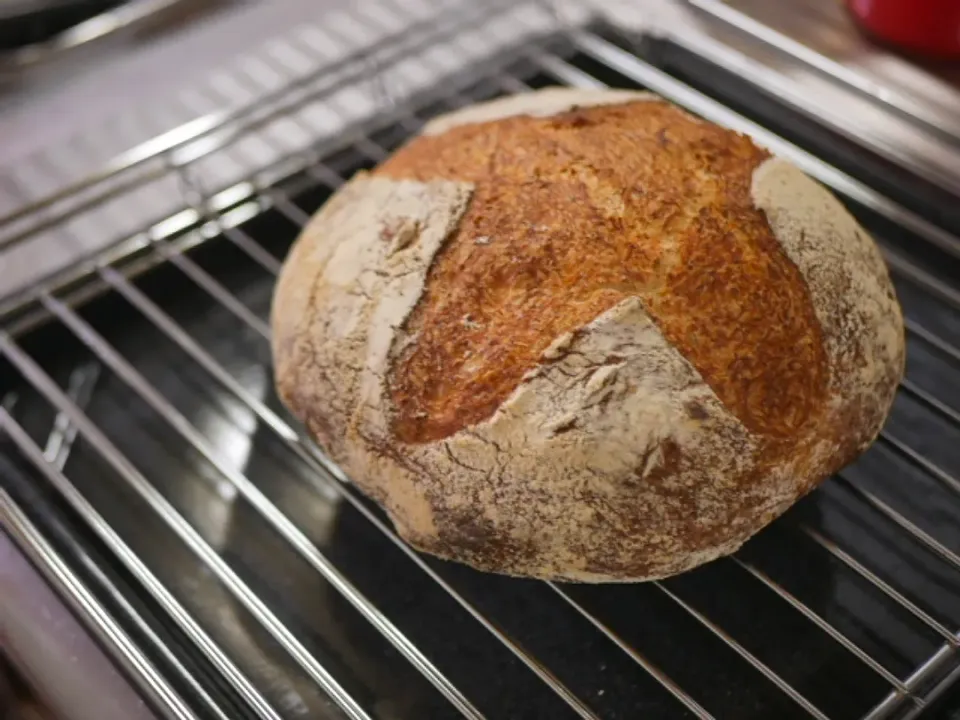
[589, 663]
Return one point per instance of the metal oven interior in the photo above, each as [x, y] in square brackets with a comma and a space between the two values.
[145, 452]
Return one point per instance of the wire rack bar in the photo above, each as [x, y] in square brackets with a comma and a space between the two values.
[887, 589]
[918, 460]
[270, 512]
[180, 526]
[932, 403]
[945, 684]
[97, 523]
[107, 630]
[220, 293]
[933, 340]
[105, 24]
[920, 277]
[64, 433]
[927, 668]
[900, 520]
[677, 691]
[254, 251]
[762, 668]
[826, 627]
[893, 702]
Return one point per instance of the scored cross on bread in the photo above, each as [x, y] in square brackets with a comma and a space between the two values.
[585, 335]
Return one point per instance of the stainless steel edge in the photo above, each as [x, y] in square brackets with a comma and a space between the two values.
[18, 8]
[937, 119]
[903, 130]
[937, 163]
[64, 679]
[214, 653]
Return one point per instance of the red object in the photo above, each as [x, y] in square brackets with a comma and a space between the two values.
[929, 27]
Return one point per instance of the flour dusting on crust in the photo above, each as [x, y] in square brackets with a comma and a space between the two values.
[612, 460]
[852, 294]
[354, 274]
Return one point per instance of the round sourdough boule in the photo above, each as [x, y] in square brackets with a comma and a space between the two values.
[584, 335]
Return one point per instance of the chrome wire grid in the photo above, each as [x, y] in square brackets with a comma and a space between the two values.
[248, 119]
[149, 470]
[817, 34]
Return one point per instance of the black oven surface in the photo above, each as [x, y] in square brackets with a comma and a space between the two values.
[142, 437]
[30, 23]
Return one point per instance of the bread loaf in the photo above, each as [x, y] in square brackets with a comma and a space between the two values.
[584, 335]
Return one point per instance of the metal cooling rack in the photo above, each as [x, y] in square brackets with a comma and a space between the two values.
[150, 472]
[812, 57]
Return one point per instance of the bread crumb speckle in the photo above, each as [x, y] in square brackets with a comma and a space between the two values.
[470, 323]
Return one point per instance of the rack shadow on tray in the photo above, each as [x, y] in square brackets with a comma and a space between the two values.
[828, 611]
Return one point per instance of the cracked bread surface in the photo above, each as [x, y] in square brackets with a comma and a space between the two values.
[584, 335]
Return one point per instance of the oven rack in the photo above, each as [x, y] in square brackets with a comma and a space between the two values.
[920, 94]
[192, 667]
[268, 108]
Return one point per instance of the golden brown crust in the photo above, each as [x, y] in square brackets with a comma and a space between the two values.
[625, 449]
[571, 214]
